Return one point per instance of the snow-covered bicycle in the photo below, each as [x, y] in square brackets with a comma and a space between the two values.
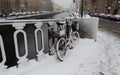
[67, 36]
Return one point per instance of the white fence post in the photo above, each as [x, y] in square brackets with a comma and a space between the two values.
[38, 26]
[3, 53]
[19, 29]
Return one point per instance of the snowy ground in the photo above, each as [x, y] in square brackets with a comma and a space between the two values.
[87, 58]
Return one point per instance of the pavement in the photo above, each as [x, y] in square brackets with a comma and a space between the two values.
[110, 26]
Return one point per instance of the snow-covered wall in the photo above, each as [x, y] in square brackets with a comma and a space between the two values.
[89, 26]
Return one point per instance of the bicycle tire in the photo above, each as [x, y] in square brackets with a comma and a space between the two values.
[60, 49]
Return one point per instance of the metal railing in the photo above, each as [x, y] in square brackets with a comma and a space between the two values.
[19, 26]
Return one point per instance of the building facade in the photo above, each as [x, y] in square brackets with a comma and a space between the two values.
[56, 7]
[23, 5]
[5, 6]
[103, 6]
[19, 5]
[33, 5]
[46, 5]
[8, 6]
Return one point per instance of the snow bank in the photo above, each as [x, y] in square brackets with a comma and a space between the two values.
[89, 26]
[106, 59]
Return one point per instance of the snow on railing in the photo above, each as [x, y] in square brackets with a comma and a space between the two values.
[8, 22]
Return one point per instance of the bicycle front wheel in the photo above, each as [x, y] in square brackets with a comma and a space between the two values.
[61, 51]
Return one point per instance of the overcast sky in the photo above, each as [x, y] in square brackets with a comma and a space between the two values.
[64, 3]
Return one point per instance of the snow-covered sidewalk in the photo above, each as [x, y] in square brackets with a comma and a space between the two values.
[105, 60]
[87, 58]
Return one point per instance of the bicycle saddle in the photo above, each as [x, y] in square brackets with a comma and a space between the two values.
[60, 23]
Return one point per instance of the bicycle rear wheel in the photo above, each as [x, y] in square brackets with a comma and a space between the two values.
[61, 51]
